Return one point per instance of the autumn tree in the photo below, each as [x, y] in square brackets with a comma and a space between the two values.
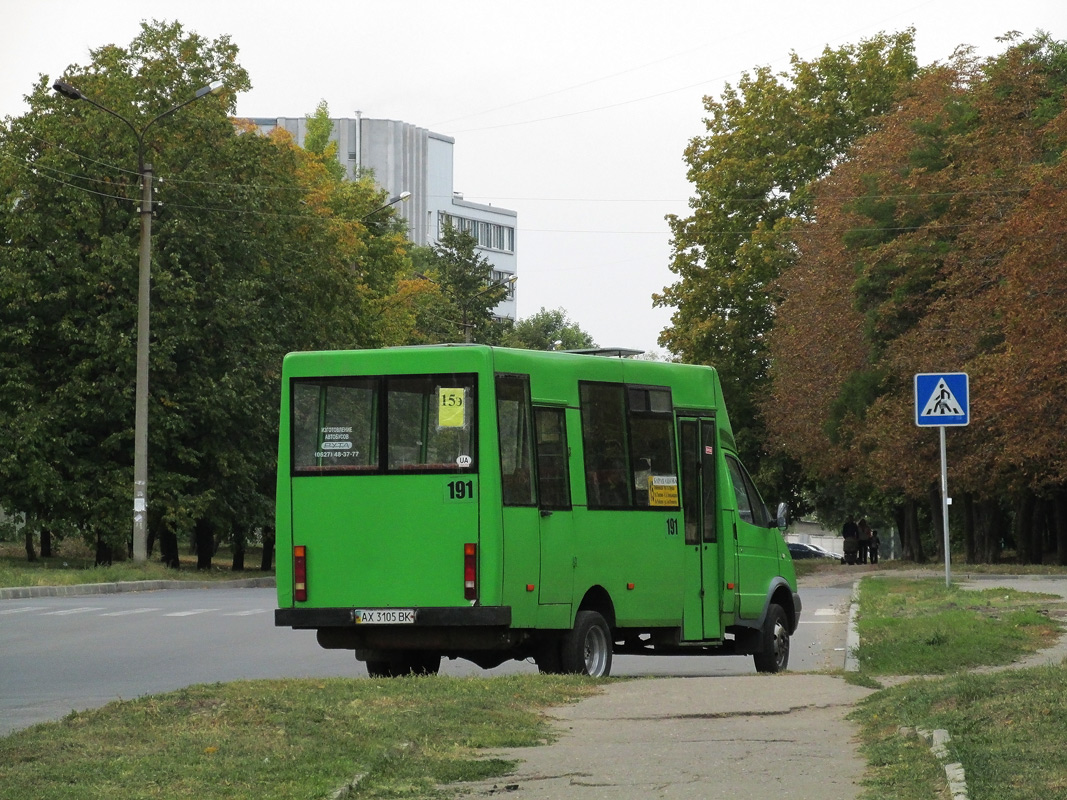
[768, 139]
[937, 246]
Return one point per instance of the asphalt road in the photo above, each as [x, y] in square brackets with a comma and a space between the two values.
[59, 654]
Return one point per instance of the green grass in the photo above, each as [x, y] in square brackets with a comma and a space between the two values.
[1007, 728]
[74, 565]
[922, 627]
[287, 739]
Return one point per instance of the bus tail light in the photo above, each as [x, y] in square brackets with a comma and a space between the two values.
[300, 573]
[470, 571]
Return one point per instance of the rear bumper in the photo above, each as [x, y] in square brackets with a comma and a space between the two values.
[432, 617]
[453, 631]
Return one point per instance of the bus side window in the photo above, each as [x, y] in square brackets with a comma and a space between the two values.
[652, 447]
[553, 472]
[737, 478]
[607, 479]
[750, 505]
[516, 439]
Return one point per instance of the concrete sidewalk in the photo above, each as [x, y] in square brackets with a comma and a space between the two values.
[743, 737]
[749, 737]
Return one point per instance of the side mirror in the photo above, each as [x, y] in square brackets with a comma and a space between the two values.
[783, 516]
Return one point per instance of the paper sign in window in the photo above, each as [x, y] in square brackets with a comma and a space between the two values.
[663, 490]
[451, 405]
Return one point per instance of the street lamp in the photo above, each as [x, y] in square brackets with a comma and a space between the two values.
[400, 198]
[144, 289]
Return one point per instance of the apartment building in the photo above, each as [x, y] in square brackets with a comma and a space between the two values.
[406, 158]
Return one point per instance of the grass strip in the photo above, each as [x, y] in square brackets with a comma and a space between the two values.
[287, 739]
[1007, 730]
[922, 627]
[76, 568]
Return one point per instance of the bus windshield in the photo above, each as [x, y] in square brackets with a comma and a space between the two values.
[378, 424]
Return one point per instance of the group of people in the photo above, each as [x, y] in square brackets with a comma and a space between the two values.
[861, 542]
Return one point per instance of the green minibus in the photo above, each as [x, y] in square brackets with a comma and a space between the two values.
[466, 501]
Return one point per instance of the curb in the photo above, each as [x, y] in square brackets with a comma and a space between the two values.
[938, 741]
[852, 640]
[78, 589]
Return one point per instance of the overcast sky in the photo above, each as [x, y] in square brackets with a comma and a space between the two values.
[575, 114]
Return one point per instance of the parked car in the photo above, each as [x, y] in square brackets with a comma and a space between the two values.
[801, 550]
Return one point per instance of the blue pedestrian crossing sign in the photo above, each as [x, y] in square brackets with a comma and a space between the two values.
[942, 398]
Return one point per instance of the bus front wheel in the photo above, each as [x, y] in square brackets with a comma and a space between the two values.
[586, 648]
[774, 644]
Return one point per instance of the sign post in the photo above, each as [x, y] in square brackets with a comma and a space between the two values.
[943, 399]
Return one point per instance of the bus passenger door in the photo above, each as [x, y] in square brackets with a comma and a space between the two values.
[554, 502]
[704, 578]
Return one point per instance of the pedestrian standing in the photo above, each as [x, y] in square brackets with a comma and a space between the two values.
[850, 533]
[864, 540]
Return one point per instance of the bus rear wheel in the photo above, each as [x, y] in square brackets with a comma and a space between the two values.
[586, 648]
[774, 644]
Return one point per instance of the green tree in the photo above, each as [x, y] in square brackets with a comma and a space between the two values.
[317, 140]
[456, 292]
[257, 250]
[548, 330]
[768, 139]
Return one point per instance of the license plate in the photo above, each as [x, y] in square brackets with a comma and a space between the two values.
[383, 616]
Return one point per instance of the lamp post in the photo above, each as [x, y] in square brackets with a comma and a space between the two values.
[144, 290]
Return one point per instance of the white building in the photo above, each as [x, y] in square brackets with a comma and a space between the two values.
[406, 158]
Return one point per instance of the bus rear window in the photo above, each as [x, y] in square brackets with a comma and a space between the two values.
[421, 423]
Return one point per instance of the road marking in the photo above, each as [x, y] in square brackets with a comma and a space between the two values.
[20, 610]
[129, 611]
[248, 613]
[827, 612]
[65, 611]
[191, 612]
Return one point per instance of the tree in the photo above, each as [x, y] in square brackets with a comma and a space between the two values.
[937, 245]
[455, 293]
[767, 140]
[256, 251]
[548, 330]
[317, 141]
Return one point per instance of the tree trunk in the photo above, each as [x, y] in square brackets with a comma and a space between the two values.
[1023, 527]
[168, 549]
[1059, 521]
[103, 552]
[267, 560]
[990, 531]
[937, 521]
[1041, 540]
[204, 534]
[238, 552]
[31, 553]
[967, 505]
[907, 521]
